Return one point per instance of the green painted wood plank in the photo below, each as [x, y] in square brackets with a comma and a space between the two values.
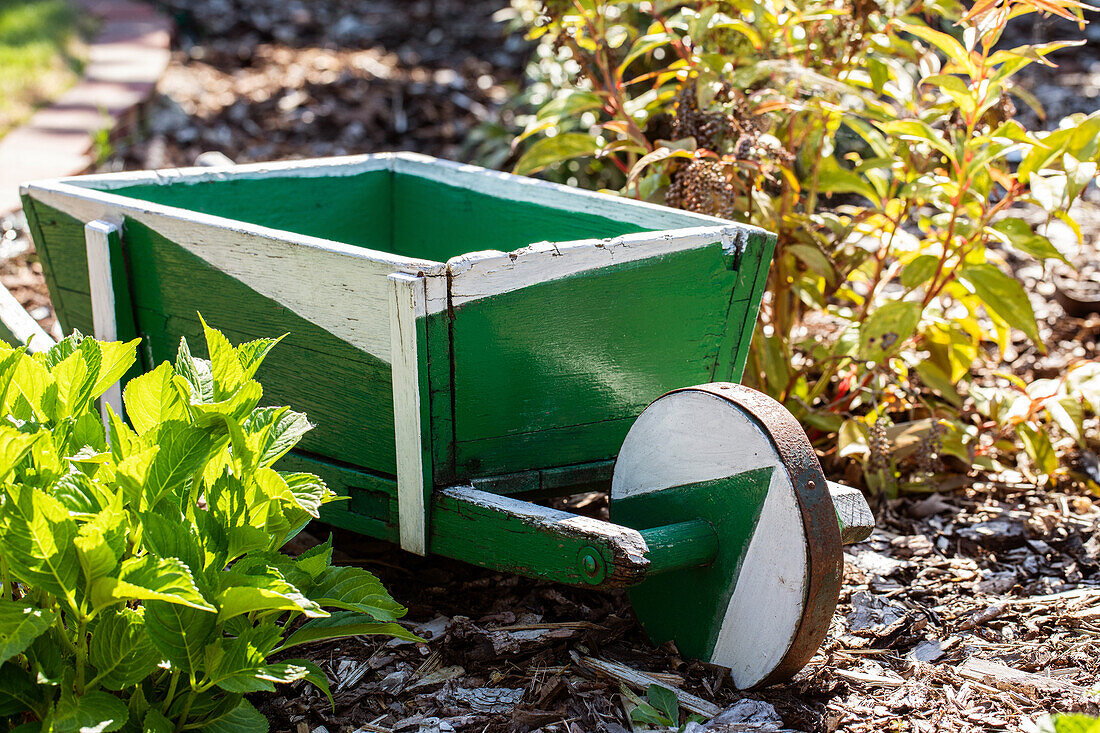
[759, 250]
[550, 482]
[350, 209]
[59, 242]
[441, 397]
[345, 392]
[519, 537]
[437, 221]
[371, 504]
[553, 373]
[591, 442]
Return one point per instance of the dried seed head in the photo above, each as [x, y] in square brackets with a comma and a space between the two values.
[879, 444]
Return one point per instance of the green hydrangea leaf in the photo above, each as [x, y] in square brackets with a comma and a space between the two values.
[262, 591]
[279, 429]
[14, 446]
[180, 633]
[252, 354]
[342, 624]
[92, 712]
[121, 651]
[18, 691]
[197, 373]
[184, 450]
[239, 664]
[242, 719]
[154, 398]
[38, 541]
[356, 589]
[315, 676]
[228, 373]
[151, 578]
[20, 624]
[155, 722]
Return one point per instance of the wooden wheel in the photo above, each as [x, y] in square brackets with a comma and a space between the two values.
[737, 459]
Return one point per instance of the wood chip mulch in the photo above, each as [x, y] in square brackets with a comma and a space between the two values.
[974, 611]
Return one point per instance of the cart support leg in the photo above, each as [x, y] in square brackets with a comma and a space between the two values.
[99, 237]
[409, 370]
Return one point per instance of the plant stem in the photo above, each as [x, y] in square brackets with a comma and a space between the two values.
[186, 709]
[81, 653]
[175, 678]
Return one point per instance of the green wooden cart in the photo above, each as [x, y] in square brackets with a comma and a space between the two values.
[469, 341]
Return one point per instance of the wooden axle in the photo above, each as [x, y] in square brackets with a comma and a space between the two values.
[507, 534]
[682, 545]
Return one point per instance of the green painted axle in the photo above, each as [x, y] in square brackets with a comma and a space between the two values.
[505, 534]
[680, 545]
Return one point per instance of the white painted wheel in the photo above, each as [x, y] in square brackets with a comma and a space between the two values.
[734, 457]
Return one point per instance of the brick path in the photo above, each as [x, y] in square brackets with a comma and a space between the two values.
[125, 60]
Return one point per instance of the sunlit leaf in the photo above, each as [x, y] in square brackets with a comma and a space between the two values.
[551, 150]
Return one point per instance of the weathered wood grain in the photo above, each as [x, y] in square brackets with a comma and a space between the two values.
[753, 262]
[17, 327]
[517, 536]
[641, 681]
[98, 237]
[570, 362]
[485, 274]
[408, 304]
[342, 288]
[852, 512]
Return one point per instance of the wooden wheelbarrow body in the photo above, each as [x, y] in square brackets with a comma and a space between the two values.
[463, 339]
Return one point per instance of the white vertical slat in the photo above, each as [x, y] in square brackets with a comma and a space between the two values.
[97, 242]
[407, 303]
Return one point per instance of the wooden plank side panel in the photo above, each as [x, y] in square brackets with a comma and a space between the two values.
[346, 392]
[338, 286]
[552, 374]
[439, 221]
[759, 252]
[408, 307]
[753, 263]
[349, 209]
[64, 263]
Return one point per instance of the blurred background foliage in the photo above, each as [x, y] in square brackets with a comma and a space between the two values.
[878, 139]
